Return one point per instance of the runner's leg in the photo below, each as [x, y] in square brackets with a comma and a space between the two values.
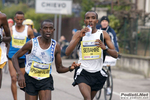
[31, 97]
[93, 94]
[85, 91]
[45, 95]
[1, 72]
[13, 75]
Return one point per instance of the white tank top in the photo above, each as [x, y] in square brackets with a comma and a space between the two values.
[3, 50]
[38, 62]
[90, 56]
[19, 38]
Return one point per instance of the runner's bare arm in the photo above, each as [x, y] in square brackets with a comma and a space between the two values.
[7, 44]
[75, 40]
[11, 31]
[58, 62]
[111, 51]
[30, 33]
[27, 47]
[7, 37]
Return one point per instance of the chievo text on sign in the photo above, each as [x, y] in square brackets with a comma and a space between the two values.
[55, 5]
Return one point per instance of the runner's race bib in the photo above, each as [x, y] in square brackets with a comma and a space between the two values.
[18, 41]
[90, 50]
[39, 70]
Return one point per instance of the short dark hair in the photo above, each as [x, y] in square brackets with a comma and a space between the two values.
[91, 11]
[19, 12]
[47, 20]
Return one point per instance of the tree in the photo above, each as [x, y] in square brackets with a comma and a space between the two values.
[86, 6]
[11, 10]
[127, 13]
[37, 17]
[29, 13]
[1, 4]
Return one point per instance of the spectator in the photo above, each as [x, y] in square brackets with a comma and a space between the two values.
[10, 23]
[75, 51]
[63, 45]
[74, 31]
[30, 23]
[104, 25]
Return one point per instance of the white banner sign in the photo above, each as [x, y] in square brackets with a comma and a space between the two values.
[109, 61]
[54, 6]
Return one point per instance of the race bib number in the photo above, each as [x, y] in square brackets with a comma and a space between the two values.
[39, 70]
[90, 50]
[18, 41]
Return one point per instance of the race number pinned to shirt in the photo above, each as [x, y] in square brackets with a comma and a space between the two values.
[18, 41]
[90, 50]
[39, 70]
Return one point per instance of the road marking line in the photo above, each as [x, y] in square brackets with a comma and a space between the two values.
[116, 93]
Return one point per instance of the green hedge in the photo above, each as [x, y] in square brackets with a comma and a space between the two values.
[29, 13]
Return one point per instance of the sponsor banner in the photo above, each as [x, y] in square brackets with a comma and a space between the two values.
[54, 6]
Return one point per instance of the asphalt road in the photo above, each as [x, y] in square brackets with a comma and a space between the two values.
[123, 82]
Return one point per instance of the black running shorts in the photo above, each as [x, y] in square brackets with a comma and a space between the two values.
[94, 80]
[21, 62]
[33, 86]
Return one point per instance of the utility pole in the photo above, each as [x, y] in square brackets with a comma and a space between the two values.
[112, 6]
[16, 1]
[27, 2]
[3, 2]
[144, 11]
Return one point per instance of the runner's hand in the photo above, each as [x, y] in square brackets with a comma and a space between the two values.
[21, 81]
[74, 65]
[100, 44]
[83, 31]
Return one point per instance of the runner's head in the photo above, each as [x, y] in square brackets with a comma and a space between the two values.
[29, 22]
[47, 29]
[91, 18]
[19, 18]
[104, 22]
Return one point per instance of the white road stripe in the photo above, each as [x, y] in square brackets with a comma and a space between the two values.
[116, 93]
